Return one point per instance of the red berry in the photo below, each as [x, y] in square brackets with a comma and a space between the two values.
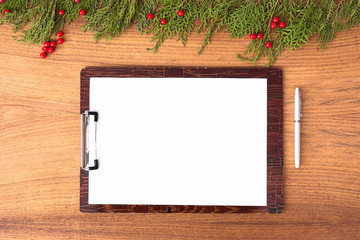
[259, 36]
[275, 19]
[43, 55]
[150, 16]
[82, 12]
[268, 44]
[77, 1]
[61, 12]
[50, 50]
[46, 44]
[282, 25]
[60, 41]
[252, 36]
[6, 11]
[59, 33]
[53, 44]
[273, 25]
[163, 21]
[1, 1]
[181, 13]
[44, 49]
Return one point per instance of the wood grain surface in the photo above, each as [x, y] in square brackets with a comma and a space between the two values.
[40, 140]
[275, 148]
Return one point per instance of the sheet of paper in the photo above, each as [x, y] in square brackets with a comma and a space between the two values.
[180, 141]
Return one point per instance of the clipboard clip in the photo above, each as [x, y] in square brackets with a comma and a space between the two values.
[85, 118]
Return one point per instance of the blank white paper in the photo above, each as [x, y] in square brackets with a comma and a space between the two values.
[180, 141]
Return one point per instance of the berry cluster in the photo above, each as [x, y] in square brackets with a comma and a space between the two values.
[49, 47]
[82, 12]
[275, 20]
[163, 21]
[253, 36]
[260, 36]
[273, 25]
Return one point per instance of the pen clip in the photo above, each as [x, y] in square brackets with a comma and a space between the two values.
[300, 105]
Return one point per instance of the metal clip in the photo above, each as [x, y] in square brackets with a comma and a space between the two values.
[85, 141]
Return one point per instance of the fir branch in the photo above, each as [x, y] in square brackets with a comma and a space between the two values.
[239, 17]
[33, 11]
[214, 15]
[278, 47]
[303, 26]
[143, 8]
[17, 10]
[245, 19]
[47, 22]
[339, 17]
[258, 48]
[72, 9]
[176, 25]
[111, 19]
[326, 28]
[350, 14]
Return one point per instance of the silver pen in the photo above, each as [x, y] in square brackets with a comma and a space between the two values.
[298, 115]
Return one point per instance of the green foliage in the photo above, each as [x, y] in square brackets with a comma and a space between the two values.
[303, 19]
[303, 25]
[72, 9]
[143, 8]
[245, 19]
[33, 10]
[257, 48]
[337, 17]
[327, 28]
[176, 25]
[214, 15]
[113, 17]
[47, 22]
[45, 15]
[350, 14]
[108, 18]
[17, 10]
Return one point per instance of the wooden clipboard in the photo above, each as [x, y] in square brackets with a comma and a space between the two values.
[275, 156]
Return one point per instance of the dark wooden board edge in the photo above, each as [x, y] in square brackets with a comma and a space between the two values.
[275, 150]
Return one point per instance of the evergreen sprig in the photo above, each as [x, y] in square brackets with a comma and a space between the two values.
[303, 25]
[45, 15]
[15, 16]
[245, 19]
[108, 18]
[350, 14]
[47, 21]
[257, 48]
[72, 9]
[112, 18]
[214, 15]
[143, 8]
[180, 26]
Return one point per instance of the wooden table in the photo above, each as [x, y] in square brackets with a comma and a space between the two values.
[40, 140]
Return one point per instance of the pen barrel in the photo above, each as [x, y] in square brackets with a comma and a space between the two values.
[297, 144]
[297, 107]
